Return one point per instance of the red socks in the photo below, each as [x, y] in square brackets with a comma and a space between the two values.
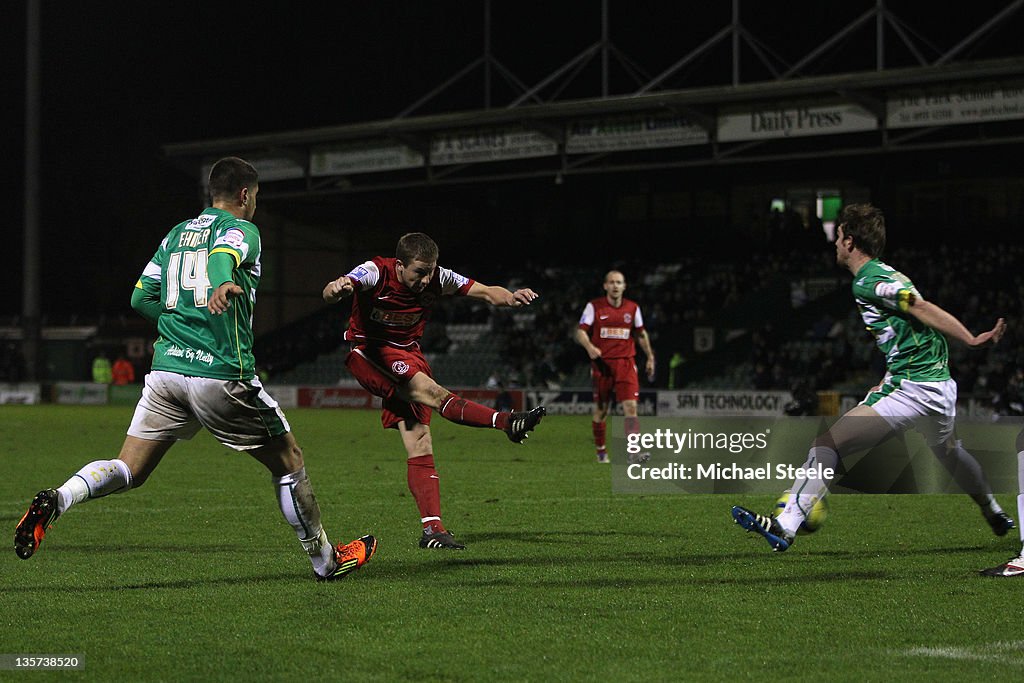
[631, 425]
[463, 412]
[599, 436]
[425, 487]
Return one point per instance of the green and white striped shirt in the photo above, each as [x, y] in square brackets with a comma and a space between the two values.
[912, 350]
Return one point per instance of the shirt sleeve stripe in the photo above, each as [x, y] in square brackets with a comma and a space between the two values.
[224, 250]
[151, 271]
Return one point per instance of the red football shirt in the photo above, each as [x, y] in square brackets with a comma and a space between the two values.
[385, 311]
[611, 328]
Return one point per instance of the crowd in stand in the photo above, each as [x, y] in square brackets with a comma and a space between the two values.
[976, 284]
[979, 285]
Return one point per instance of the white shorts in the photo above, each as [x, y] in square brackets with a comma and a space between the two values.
[928, 407]
[241, 415]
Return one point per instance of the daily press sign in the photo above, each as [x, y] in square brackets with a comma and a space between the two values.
[784, 122]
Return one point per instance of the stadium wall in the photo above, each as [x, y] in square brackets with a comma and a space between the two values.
[570, 401]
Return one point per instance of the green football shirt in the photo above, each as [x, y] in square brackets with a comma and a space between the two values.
[913, 351]
[192, 341]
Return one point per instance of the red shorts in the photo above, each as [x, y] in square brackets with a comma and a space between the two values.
[615, 375]
[381, 370]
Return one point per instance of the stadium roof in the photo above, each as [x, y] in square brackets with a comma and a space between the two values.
[927, 104]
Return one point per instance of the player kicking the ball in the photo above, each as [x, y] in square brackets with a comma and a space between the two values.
[199, 289]
[916, 392]
[393, 298]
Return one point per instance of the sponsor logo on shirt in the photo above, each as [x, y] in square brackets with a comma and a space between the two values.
[399, 367]
[203, 221]
[615, 332]
[190, 354]
[233, 238]
[395, 318]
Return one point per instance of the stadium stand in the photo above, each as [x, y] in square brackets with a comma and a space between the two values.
[781, 321]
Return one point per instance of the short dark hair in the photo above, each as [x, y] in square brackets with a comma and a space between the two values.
[229, 175]
[866, 225]
[415, 246]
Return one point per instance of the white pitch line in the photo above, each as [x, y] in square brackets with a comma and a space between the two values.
[1004, 652]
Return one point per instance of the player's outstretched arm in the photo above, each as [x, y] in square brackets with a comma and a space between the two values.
[499, 296]
[992, 336]
[336, 290]
[938, 319]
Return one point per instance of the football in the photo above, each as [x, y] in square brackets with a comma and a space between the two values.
[813, 521]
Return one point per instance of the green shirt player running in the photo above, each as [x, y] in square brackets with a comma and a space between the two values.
[200, 289]
[916, 392]
[175, 292]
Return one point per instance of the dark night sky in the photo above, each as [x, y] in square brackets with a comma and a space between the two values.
[116, 86]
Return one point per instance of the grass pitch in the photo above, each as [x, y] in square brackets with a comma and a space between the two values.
[195, 576]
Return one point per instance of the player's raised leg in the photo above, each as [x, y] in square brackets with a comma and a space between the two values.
[857, 430]
[424, 390]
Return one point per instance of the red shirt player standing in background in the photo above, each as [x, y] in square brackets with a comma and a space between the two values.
[608, 331]
[393, 301]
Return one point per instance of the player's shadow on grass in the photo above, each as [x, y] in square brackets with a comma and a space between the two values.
[531, 536]
[198, 582]
[630, 581]
[239, 549]
[461, 568]
[894, 551]
[559, 536]
[819, 577]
